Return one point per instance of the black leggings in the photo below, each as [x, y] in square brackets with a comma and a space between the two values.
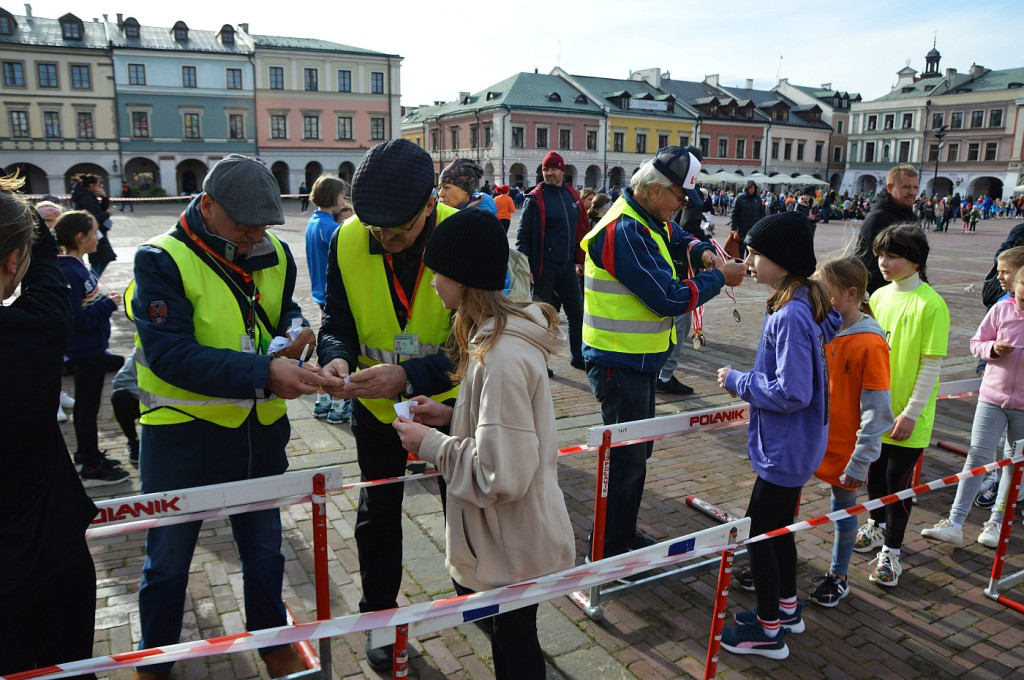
[514, 644]
[891, 473]
[126, 412]
[772, 562]
[90, 373]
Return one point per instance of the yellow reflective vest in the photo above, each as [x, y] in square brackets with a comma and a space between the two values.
[218, 322]
[614, 319]
[369, 298]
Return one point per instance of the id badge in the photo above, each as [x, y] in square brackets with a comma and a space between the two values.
[407, 344]
[248, 346]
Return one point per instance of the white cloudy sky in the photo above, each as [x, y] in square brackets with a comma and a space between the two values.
[470, 44]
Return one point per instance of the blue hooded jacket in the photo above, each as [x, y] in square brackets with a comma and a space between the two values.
[788, 393]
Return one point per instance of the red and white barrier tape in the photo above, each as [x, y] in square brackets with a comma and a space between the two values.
[448, 612]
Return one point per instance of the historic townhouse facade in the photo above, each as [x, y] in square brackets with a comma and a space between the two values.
[640, 119]
[58, 100]
[185, 99]
[321, 105]
[835, 111]
[510, 126]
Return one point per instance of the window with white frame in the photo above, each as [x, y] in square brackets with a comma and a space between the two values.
[140, 124]
[47, 74]
[310, 126]
[234, 78]
[236, 126]
[278, 126]
[376, 128]
[310, 79]
[190, 125]
[344, 127]
[188, 76]
[344, 80]
[276, 77]
[19, 124]
[85, 126]
[376, 82]
[51, 124]
[136, 74]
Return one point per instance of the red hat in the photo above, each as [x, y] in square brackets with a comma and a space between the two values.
[503, 189]
[553, 160]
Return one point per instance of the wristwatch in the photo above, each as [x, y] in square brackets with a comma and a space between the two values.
[408, 392]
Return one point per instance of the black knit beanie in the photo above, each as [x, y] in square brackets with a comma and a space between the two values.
[785, 239]
[470, 247]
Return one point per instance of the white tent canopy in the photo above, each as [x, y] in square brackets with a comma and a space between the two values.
[808, 179]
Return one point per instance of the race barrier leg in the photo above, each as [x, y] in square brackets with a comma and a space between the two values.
[590, 602]
[400, 668]
[998, 581]
[718, 616]
[321, 578]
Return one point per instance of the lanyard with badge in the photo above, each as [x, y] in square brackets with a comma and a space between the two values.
[699, 339]
[247, 341]
[407, 344]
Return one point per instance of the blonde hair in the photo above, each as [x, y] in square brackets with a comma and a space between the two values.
[818, 295]
[486, 304]
[1012, 256]
[1018, 278]
[846, 272]
[901, 170]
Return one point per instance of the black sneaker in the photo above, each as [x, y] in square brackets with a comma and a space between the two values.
[829, 591]
[106, 462]
[639, 541]
[102, 476]
[379, 658]
[132, 449]
[746, 580]
[673, 386]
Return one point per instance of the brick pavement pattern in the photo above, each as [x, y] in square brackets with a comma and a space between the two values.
[936, 624]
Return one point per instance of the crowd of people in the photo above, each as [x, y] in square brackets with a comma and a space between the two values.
[848, 367]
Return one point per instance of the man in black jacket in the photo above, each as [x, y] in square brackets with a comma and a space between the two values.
[747, 210]
[890, 206]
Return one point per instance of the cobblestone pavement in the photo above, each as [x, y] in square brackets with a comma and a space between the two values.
[936, 624]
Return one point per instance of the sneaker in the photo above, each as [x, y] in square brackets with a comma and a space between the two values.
[989, 536]
[751, 639]
[673, 386]
[794, 622]
[105, 462]
[639, 541]
[321, 410]
[102, 475]
[61, 416]
[946, 532]
[132, 450]
[986, 498]
[869, 537]
[66, 401]
[887, 570]
[379, 658]
[340, 414]
[829, 591]
[746, 580]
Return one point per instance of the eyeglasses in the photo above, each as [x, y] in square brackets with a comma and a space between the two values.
[409, 226]
[681, 199]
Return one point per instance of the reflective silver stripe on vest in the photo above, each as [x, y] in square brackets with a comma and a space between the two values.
[387, 357]
[603, 286]
[618, 326]
[153, 402]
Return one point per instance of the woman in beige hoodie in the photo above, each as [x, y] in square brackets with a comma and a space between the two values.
[506, 516]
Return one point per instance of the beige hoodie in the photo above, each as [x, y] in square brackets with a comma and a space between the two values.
[506, 515]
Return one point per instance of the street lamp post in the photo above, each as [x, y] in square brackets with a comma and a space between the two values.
[939, 133]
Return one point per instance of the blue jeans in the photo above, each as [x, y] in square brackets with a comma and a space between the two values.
[165, 577]
[625, 395]
[990, 422]
[846, 531]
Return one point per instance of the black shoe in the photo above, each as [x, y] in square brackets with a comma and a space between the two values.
[639, 541]
[379, 658]
[551, 374]
[746, 580]
[105, 462]
[578, 363]
[132, 449]
[673, 386]
[102, 475]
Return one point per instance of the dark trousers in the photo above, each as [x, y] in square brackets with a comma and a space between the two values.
[891, 473]
[90, 373]
[559, 284]
[772, 562]
[126, 412]
[625, 395]
[378, 528]
[52, 619]
[514, 644]
[505, 223]
[103, 256]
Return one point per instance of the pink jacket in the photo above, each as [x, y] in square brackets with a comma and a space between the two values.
[1003, 382]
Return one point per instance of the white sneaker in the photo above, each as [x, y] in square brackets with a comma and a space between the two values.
[869, 537]
[946, 532]
[989, 536]
[66, 401]
[888, 569]
[61, 416]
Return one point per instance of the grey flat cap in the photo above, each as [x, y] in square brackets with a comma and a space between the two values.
[246, 189]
